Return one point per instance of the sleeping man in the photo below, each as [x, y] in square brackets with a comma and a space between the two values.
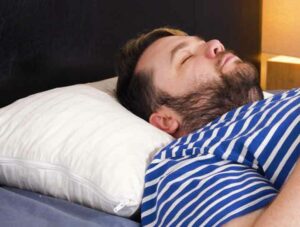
[234, 160]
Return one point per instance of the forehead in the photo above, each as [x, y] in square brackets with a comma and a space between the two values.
[160, 50]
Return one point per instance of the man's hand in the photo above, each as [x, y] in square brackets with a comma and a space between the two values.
[283, 211]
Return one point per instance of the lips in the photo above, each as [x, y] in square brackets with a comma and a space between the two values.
[228, 58]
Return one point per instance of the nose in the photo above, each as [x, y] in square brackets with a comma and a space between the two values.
[213, 48]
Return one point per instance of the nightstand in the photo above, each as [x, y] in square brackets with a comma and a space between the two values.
[282, 73]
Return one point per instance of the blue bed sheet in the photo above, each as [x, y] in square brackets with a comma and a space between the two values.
[24, 208]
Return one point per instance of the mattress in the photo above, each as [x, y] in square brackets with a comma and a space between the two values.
[24, 208]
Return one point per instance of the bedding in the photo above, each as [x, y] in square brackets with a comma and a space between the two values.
[232, 166]
[28, 209]
[80, 144]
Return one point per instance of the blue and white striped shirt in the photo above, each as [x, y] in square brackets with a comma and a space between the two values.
[231, 167]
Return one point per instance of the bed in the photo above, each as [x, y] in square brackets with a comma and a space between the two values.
[56, 61]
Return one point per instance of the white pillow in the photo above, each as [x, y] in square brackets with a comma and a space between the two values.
[80, 144]
[108, 86]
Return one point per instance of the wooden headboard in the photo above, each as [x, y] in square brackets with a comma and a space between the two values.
[51, 43]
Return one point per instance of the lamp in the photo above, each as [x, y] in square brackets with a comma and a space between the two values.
[280, 36]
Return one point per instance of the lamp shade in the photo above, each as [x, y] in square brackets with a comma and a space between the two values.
[281, 27]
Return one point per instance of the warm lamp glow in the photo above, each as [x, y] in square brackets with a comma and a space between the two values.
[285, 59]
[280, 36]
[281, 27]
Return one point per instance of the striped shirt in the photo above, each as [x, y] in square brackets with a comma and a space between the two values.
[231, 167]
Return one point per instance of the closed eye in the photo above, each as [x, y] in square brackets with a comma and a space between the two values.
[185, 59]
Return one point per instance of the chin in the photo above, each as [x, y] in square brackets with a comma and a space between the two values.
[244, 80]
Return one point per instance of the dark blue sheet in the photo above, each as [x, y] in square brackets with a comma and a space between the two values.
[24, 208]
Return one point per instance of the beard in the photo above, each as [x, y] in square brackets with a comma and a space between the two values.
[212, 99]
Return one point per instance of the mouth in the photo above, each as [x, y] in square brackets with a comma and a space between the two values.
[228, 58]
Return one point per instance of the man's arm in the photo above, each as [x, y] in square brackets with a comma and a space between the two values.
[283, 211]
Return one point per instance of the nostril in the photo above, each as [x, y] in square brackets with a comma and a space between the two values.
[219, 47]
[216, 51]
[214, 48]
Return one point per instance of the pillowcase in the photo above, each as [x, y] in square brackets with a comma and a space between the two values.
[79, 144]
[108, 86]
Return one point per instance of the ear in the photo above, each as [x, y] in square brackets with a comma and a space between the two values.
[165, 119]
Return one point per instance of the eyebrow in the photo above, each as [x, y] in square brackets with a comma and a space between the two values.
[180, 46]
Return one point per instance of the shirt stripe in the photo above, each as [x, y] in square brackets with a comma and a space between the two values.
[230, 167]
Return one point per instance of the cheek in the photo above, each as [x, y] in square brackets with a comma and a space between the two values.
[203, 72]
[167, 82]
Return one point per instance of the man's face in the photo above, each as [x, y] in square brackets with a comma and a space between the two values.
[180, 63]
[199, 80]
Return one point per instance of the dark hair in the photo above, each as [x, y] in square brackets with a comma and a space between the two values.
[136, 91]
